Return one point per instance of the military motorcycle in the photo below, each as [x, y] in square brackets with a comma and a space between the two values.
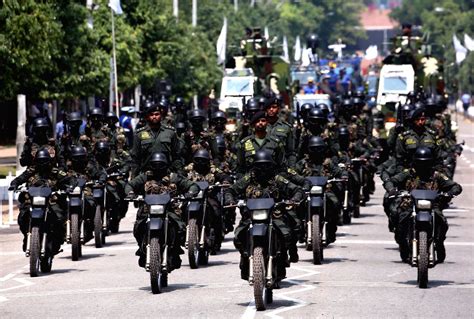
[198, 229]
[100, 219]
[39, 247]
[157, 239]
[421, 232]
[75, 215]
[267, 255]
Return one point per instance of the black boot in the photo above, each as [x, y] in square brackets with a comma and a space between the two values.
[244, 267]
[440, 252]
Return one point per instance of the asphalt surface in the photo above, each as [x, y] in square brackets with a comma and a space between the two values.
[362, 276]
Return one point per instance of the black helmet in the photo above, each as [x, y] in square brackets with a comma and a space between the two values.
[343, 131]
[316, 142]
[201, 157]
[179, 101]
[78, 154]
[263, 102]
[360, 94]
[417, 113]
[42, 157]
[220, 143]
[180, 127]
[111, 117]
[96, 112]
[317, 116]
[323, 107]
[40, 123]
[347, 104]
[357, 101]
[263, 157]
[163, 104]
[102, 147]
[197, 115]
[74, 117]
[252, 105]
[305, 108]
[159, 161]
[430, 102]
[218, 117]
[423, 154]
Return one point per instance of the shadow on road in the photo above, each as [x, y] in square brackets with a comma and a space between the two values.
[172, 287]
[435, 283]
[86, 256]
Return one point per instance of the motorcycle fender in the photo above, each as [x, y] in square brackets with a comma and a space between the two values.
[98, 193]
[423, 219]
[155, 223]
[316, 202]
[194, 207]
[258, 230]
[75, 202]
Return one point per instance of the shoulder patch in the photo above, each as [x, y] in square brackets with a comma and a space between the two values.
[248, 145]
[281, 179]
[291, 171]
[145, 135]
[141, 129]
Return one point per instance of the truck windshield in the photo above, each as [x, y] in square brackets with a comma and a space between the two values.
[396, 83]
[238, 86]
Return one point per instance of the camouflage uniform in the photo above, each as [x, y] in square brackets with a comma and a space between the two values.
[55, 180]
[283, 131]
[148, 183]
[31, 146]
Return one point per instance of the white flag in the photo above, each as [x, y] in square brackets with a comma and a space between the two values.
[461, 51]
[305, 57]
[371, 52]
[221, 43]
[297, 49]
[286, 55]
[266, 34]
[468, 42]
[115, 5]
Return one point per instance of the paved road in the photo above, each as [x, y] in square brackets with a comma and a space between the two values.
[362, 276]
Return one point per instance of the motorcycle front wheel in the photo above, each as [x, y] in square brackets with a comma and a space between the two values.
[423, 259]
[98, 227]
[35, 246]
[259, 286]
[155, 266]
[317, 243]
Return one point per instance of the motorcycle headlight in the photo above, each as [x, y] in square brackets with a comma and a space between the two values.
[423, 204]
[76, 191]
[39, 201]
[200, 195]
[157, 209]
[316, 190]
[260, 214]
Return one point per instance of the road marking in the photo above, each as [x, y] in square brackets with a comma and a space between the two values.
[250, 311]
[393, 243]
[454, 210]
[86, 249]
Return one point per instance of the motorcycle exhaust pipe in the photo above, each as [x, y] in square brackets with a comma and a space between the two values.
[68, 231]
[323, 231]
[201, 241]
[251, 270]
[148, 253]
[28, 244]
[186, 243]
[104, 220]
[346, 199]
[164, 262]
[269, 271]
[82, 232]
[310, 235]
[43, 246]
[414, 249]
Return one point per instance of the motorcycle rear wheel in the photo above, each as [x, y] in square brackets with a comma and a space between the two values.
[423, 259]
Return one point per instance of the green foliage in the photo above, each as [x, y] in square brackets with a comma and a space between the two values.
[47, 51]
[440, 20]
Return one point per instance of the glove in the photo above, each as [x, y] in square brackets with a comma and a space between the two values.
[130, 195]
[12, 187]
[188, 196]
[393, 192]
